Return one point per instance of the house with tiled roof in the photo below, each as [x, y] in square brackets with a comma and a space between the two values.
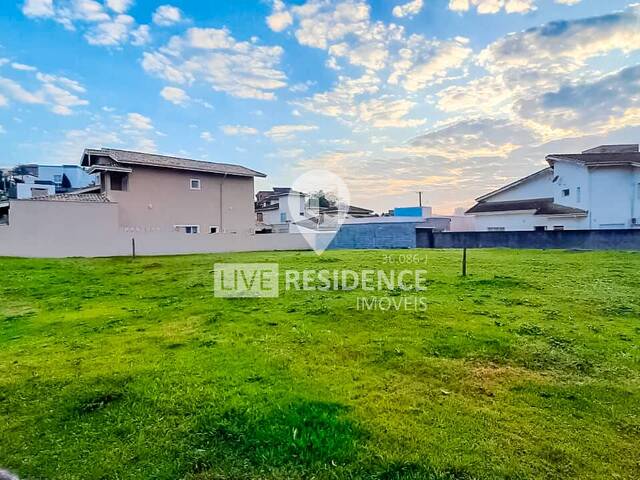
[596, 189]
[162, 193]
[144, 203]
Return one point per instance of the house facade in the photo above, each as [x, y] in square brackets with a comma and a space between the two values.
[596, 189]
[157, 193]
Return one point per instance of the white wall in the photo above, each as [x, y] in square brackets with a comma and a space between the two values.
[24, 190]
[70, 229]
[538, 187]
[572, 176]
[611, 197]
[527, 221]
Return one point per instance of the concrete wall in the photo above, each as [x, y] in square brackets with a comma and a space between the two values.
[375, 235]
[157, 199]
[67, 229]
[578, 239]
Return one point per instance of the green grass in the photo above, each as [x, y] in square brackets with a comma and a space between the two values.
[120, 368]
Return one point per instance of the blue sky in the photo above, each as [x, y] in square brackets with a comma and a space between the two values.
[450, 97]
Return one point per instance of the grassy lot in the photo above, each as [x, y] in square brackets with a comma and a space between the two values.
[120, 368]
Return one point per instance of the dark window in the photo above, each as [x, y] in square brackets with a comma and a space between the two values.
[558, 227]
[119, 181]
[260, 217]
[540, 228]
[566, 192]
[213, 230]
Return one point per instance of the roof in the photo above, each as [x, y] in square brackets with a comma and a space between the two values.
[542, 206]
[128, 157]
[353, 210]
[74, 197]
[602, 156]
[515, 184]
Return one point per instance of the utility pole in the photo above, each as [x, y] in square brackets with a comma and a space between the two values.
[420, 199]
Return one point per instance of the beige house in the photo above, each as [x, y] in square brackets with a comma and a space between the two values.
[158, 193]
[146, 204]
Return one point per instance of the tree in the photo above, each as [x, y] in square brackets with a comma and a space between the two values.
[321, 199]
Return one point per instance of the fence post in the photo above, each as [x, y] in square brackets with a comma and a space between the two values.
[464, 262]
[133, 247]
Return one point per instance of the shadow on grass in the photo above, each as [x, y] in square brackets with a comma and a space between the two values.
[302, 434]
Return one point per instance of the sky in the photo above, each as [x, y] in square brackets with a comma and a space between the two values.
[449, 97]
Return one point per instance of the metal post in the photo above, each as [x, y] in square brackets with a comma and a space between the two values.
[464, 262]
[133, 247]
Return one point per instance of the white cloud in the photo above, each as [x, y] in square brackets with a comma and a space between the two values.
[141, 35]
[137, 121]
[280, 18]
[206, 136]
[234, 130]
[424, 62]
[285, 132]
[119, 6]
[59, 94]
[38, 8]
[166, 15]
[115, 32]
[568, 43]
[597, 106]
[388, 113]
[214, 57]
[346, 31]
[101, 26]
[23, 67]
[174, 95]
[485, 7]
[408, 9]
[482, 137]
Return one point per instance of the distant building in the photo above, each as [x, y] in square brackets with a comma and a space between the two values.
[32, 180]
[596, 189]
[423, 212]
[277, 209]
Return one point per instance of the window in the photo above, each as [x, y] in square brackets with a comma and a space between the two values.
[283, 217]
[194, 184]
[638, 189]
[495, 229]
[558, 228]
[119, 181]
[260, 217]
[566, 192]
[57, 179]
[213, 229]
[539, 228]
[188, 229]
[578, 195]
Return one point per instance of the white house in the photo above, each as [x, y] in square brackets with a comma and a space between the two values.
[278, 208]
[596, 189]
